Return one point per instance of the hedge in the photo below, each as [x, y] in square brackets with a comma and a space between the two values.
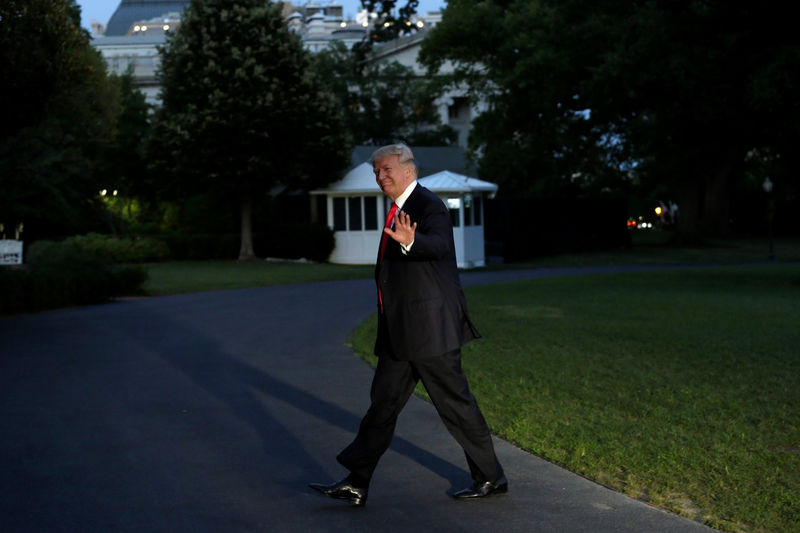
[60, 275]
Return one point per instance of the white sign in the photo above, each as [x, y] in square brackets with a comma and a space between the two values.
[10, 252]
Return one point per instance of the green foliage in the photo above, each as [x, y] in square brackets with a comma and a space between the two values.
[113, 249]
[383, 102]
[123, 162]
[242, 111]
[674, 99]
[314, 242]
[196, 246]
[58, 110]
[59, 274]
[393, 21]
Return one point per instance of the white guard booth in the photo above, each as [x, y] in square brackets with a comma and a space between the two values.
[357, 210]
[464, 198]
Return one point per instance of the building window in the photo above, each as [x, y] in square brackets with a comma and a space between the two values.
[454, 205]
[354, 208]
[478, 202]
[468, 210]
[370, 213]
[339, 214]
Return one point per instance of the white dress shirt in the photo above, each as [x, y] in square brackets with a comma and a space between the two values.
[400, 201]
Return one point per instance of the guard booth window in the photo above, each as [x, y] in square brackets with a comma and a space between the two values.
[454, 205]
[354, 205]
[370, 213]
[468, 209]
[339, 214]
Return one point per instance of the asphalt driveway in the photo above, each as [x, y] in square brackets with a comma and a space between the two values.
[211, 412]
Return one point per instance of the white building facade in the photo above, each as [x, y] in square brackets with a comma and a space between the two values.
[138, 27]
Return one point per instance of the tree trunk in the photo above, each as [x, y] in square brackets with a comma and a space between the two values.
[246, 252]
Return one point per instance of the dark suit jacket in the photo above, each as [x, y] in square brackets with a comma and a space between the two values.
[425, 312]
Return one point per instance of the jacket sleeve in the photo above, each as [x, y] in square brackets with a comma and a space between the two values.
[433, 239]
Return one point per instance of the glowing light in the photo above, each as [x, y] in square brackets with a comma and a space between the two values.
[103, 192]
[137, 28]
[420, 24]
[144, 28]
[658, 210]
[343, 24]
[166, 27]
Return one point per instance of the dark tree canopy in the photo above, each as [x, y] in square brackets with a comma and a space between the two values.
[59, 110]
[679, 98]
[383, 102]
[242, 111]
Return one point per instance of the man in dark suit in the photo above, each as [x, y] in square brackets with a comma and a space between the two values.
[422, 324]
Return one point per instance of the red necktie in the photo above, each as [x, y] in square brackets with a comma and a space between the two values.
[385, 237]
[384, 240]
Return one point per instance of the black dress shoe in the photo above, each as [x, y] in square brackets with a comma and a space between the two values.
[342, 490]
[481, 490]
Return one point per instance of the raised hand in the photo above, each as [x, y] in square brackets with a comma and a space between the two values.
[403, 231]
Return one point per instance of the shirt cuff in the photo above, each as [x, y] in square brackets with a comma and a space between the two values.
[405, 248]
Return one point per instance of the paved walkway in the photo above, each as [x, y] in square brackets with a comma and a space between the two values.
[210, 413]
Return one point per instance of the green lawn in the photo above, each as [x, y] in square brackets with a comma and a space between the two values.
[648, 248]
[195, 276]
[681, 388]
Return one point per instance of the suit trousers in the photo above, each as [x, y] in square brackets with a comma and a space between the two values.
[392, 385]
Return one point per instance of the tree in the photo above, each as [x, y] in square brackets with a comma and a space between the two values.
[126, 159]
[395, 20]
[242, 111]
[124, 162]
[59, 109]
[383, 102]
[669, 97]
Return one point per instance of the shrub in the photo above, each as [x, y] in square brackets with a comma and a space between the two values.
[312, 241]
[121, 249]
[60, 274]
[202, 246]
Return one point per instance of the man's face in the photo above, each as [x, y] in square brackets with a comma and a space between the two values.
[392, 176]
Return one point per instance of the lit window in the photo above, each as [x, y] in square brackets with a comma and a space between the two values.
[454, 205]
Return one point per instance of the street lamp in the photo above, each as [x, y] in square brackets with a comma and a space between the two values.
[767, 185]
